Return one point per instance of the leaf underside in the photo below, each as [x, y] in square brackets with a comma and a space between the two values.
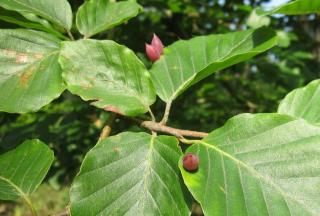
[264, 164]
[130, 174]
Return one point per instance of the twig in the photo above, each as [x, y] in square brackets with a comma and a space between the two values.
[153, 118]
[166, 113]
[70, 35]
[159, 127]
[108, 127]
[186, 141]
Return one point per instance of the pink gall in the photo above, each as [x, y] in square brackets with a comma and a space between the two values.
[157, 44]
[152, 53]
[155, 49]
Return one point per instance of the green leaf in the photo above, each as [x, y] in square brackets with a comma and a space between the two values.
[303, 103]
[108, 73]
[264, 164]
[284, 39]
[187, 62]
[16, 18]
[130, 174]
[30, 75]
[95, 16]
[255, 21]
[58, 11]
[294, 8]
[23, 169]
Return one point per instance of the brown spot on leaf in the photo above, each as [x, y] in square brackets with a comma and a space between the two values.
[86, 86]
[22, 58]
[113, 109]
[25, 76]
[116, 150]
[38, 55]
[10, 53]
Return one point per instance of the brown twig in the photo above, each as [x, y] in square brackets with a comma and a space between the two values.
[108, 127]
[159, 127]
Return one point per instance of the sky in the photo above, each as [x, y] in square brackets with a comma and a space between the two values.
[274, 3]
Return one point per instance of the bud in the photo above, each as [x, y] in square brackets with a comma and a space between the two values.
[190, 162]
[155, 49]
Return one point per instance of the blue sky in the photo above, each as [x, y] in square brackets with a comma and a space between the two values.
[274, 3]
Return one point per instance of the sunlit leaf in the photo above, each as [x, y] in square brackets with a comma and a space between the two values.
[185, 63]
[95, 16]
[294, 8]
[303, 103]
[255, 21]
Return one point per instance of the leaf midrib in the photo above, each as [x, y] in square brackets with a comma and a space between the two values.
[147, 170]
[254, 171]
[16, 187]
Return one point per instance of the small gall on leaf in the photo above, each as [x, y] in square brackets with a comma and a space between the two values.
[155, 49]
[190, 162]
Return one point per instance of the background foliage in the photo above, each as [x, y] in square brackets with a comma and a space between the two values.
[71, 126]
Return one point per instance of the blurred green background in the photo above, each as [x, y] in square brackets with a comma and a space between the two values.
[71, 126]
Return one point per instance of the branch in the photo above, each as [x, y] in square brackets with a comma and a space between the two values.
[159, 127]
